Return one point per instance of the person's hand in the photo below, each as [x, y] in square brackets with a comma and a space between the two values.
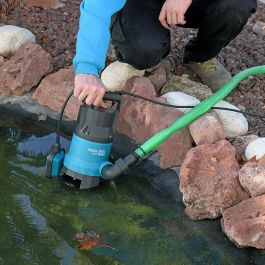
[173, 12]
[89, 89]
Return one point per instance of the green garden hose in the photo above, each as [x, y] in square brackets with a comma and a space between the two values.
[197, 111]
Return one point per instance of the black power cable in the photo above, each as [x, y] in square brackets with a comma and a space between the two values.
[61, 117]
[120, 93]
[259, 116]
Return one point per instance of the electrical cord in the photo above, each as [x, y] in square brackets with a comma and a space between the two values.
[260, 116]
[120, 93]
[61, 117]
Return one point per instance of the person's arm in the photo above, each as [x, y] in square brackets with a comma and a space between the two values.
[92, 44]
[94, 34]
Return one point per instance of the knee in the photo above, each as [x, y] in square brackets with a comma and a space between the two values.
[237, 10]
[142, 56]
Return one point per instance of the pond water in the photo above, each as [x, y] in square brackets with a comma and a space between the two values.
[39, 217]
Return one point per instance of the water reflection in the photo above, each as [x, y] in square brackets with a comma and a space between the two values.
[35, 146]
[39, 217]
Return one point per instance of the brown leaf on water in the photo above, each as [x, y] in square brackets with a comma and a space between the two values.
[89, 240]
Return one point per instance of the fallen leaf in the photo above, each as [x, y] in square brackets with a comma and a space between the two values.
[89, 240]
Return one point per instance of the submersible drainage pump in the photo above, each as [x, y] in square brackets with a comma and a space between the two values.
[88, 157]
[89, 153]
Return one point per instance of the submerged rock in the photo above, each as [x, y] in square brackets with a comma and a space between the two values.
[115, 76]
[244, 224]
[141, 120]
[24, 70]
[209, 180]
[255, 149]
[12, 38]
[235, 124]
[252, 178]
[207, 130]
[185, 85]
[54, 89]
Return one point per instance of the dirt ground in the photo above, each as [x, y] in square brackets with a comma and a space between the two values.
[56, 31]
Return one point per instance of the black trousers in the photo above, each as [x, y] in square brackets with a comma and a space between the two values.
[140, 40]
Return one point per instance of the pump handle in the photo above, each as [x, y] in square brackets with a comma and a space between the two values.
[111, 96]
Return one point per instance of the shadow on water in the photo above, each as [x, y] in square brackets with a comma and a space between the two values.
[39, 217]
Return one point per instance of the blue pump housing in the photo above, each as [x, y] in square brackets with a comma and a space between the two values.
[90, 147]
[86, 157]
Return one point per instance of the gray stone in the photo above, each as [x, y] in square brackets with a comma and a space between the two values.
[13, 37]
[187, 86]
[255, 149]
[116, 75]
[181, 99]
[235, 124]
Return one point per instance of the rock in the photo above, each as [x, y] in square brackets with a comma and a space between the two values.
[209, 180]
[181, 99]
[235, 124]
[2, 24]
[24, 70]
[47, 4]
[164, 63]
[141, 120]
[187, 86]
[207, 130]
[259, 28]
[12, 38]
[158, 78]
[54, 89]
[115, 76]
[244, 223]
[256, 149]
[252, 178]
[241, 143]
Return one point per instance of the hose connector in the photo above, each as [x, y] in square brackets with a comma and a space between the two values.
[120, 167]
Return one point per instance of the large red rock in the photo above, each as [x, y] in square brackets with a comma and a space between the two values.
[54, 89]
[252, 178]
[24, 70]
[141, 120]
[208, 129]
[209, 180]
[244, 223]
[47, 4]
